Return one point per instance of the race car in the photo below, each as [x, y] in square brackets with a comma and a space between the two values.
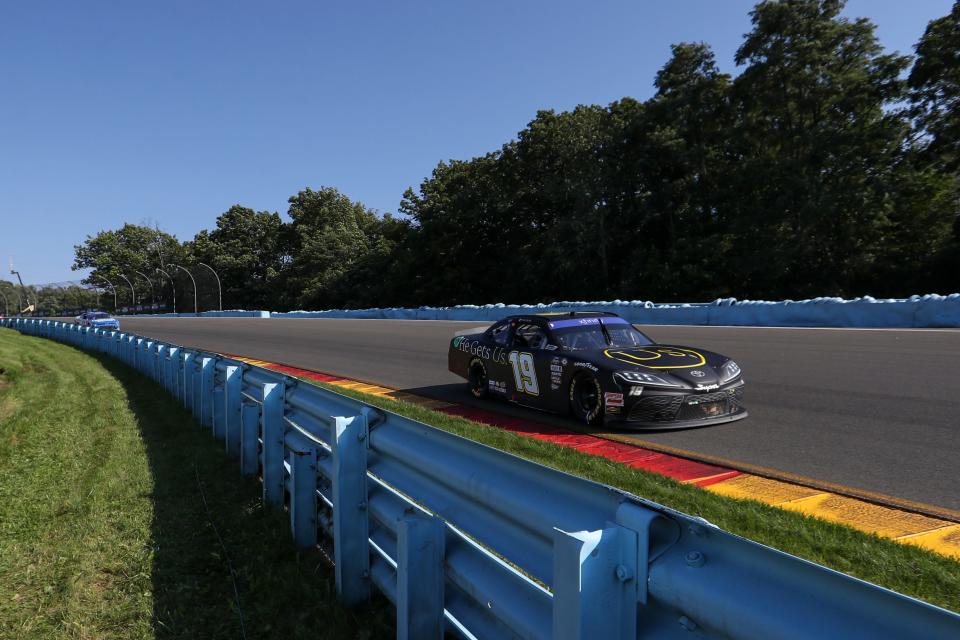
[98, 320]
[600, 368]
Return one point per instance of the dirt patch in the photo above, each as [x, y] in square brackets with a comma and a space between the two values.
[33, 367]
[8, 406]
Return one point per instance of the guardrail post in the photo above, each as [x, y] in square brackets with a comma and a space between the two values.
[595, 584]
[219, 415]
[232, 399]
[250, 438]
[171, 370]
[303, 491]
[146, 359]
[350, 520]
[205, 408]
[158, 371]
[159, 362]
[274, 474]
[420, 577]
[186, 384]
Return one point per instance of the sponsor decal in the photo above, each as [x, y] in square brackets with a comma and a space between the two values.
[613, 409]
[707, 387]
[585, 322]
[457, 341]
[556, 372]
[497, 386]
[696, 373]
[477, 348]
[551, 347]
[613, 399]
[585, 365]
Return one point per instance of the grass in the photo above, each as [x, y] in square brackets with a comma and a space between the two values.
[908, 569]
[121, 518]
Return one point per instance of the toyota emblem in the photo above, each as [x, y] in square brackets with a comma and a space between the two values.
[697, 373]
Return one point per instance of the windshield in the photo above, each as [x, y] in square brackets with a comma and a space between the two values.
[581, 334]
[98, 316]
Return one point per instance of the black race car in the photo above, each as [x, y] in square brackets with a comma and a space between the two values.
[599, 367]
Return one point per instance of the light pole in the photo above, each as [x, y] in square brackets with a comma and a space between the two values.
[196, 309]
[153, 297]
[133, 294]
[114, 291]
[219, 288]
[17, 273]
[96, 291]
[173, 287]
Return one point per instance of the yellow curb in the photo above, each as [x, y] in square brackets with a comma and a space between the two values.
[884, 521]
[941, 536]
[945, 541]
[775, 492]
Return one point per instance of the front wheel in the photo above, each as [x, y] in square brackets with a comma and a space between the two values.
[477, 380]
[586, 402]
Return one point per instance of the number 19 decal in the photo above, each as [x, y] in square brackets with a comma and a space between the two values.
[524, 373]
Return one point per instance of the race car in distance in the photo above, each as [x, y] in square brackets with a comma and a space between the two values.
[98, 320]
[600, 368]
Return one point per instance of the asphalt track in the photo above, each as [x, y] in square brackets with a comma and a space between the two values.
[874, 410]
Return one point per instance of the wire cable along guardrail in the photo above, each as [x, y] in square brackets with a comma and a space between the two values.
[467, 540]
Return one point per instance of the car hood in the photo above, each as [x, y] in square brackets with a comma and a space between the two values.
[696, 367]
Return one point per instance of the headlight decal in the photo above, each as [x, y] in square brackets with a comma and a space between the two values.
[648, 379]
[730, 371]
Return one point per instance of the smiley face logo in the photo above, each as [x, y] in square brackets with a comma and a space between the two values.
[658, 357]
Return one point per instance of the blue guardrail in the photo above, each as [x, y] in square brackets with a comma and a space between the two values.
[471, 541]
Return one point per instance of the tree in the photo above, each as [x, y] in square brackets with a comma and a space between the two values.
[935, 88]
[817, 142]
[247, 253]
[328, 234]
[672, 176]
[124, 251]
[935, 96]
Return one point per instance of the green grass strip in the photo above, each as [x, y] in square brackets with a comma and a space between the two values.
[908, 569]
[103, 528]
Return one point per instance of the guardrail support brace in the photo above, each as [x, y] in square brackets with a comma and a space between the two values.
[595, 584]
[249, 439]
[232, 398]
[187, 384]
[420, 577]
[350, 518]
[206, 392]
[273, 448]
[303, 494]
[171, 365]
[219, 414]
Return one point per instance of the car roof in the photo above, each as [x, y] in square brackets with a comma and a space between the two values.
[553, 315]
[543, 318]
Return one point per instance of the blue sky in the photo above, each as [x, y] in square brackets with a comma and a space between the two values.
[171, 112]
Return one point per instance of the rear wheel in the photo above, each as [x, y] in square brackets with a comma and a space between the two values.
[586, 402]
[477, 380]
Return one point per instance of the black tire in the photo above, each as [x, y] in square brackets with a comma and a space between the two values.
[586, 399]
[477, 380]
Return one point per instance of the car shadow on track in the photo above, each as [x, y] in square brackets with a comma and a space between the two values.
[456, 393]
[224, 566]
